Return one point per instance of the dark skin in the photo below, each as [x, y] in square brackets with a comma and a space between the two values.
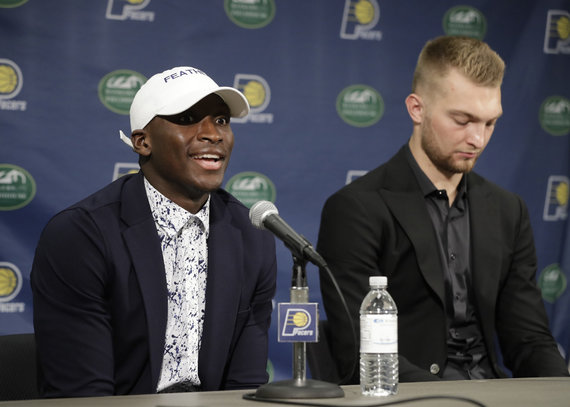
[185, 156]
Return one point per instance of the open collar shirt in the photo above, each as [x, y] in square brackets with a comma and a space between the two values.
[183, 238]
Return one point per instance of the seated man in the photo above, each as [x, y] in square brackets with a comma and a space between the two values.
[458, 250]
[158, 282]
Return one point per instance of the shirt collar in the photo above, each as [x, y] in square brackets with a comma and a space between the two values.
[170, 217]
[426, 185]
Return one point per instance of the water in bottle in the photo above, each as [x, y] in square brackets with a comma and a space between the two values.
[378, 341]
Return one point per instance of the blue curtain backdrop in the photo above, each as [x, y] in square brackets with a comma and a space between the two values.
[326, 80]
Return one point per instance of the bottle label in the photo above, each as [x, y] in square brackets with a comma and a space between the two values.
[379, 333]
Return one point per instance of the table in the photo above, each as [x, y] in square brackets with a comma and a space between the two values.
[543, 392]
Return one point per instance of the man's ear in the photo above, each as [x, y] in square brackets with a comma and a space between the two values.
[416, 107]
[141, 142]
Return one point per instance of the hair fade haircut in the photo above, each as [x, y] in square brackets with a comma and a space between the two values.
[472, 57]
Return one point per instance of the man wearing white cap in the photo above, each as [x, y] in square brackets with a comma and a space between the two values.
[158, 282]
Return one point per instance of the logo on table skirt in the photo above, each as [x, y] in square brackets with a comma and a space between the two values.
[552, 283]
[466, 21]
[258, 94]
[360, 105]
[250, 187]
[359, 19]
[250, 13]
[10, 286]
[118, 88]
[554, 115]
[556, 204]
[11, 82]
[297, 322]
[557, 35]
[128, 9]
[17, 187]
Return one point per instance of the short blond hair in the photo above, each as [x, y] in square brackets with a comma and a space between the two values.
[471, 57]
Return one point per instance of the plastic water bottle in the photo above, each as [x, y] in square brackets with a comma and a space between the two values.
[378, 341]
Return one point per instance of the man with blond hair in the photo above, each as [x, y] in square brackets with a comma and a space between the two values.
[458, 250]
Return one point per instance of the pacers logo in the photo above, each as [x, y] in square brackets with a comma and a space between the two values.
[554, 115]
[557, 36]
[128, 9]
[124, 169]
[250, 13]
[297, 322]
[552, 283]
[17, 187]
[359, 19]
[556, 205]
[360, 105]
[10, 282]
[250, 187]
[118, 88]
[11, 82]
[258, 94]
[465, 20]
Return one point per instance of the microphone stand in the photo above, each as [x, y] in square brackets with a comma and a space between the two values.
[299, 387]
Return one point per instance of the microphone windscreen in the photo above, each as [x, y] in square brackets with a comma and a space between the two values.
[259, 211]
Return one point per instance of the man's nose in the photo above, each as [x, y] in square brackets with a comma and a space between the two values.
[207, 130]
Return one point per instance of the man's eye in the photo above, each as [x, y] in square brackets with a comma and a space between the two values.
[223, 120]
[185, 119]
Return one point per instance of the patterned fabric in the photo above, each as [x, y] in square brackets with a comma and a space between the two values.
[183, 238]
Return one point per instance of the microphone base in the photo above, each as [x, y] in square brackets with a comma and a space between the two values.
[299, 389]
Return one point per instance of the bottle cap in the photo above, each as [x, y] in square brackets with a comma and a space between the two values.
[378, 281]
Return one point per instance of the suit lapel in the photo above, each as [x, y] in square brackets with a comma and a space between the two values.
[225, 260]
[484, 219]
[407, 204]
[143, 244]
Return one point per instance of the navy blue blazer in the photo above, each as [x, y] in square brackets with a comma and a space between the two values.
[100, 297]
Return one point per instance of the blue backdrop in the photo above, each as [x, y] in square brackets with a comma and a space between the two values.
[326, 80]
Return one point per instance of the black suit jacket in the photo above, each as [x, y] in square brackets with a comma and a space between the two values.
[379, 225]
[100, 297]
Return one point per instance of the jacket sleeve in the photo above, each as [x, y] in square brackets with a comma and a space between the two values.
[71, 318]
[351, 243]
[522, 324]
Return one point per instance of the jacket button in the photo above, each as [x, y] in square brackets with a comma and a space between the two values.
[434, 368]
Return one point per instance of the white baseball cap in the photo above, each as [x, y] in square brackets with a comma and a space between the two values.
[176, 90]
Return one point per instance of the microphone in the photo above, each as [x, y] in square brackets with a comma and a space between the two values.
[264, 215]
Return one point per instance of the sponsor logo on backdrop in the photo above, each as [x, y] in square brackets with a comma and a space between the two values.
[554, 115]
[552, 283]
[129, 10]
[118, 88]
[557, 36]
[10, 286]
[17, 187]
[297, 322]
[250, 13]
[258, 94]
[466, 21]
[351, 175]
[556, 204]
[11, 3]
[124, 169]
[11, 82]
[360, 105]
[359, 19]
[250, 187]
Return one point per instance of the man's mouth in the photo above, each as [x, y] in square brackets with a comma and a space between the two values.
[209, 161]
[208, 157]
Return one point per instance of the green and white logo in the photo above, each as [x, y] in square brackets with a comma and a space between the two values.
[360, 105]
[466, 21]
[17, 187]
[250, 13]
[118, 88]
[554, 115]
[552, 282]
[250, 187]
[11, 3]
